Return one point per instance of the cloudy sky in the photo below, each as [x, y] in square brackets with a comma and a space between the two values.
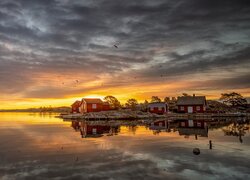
[55, 51]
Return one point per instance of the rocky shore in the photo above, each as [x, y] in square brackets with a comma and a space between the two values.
[109, 115]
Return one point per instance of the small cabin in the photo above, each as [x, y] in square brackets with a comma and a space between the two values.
[158, 108]
[191, 104]
[75, 107]
[93, 105]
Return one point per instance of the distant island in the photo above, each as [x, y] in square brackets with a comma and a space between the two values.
[62, 109]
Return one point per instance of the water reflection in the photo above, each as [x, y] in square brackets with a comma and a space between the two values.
[237, 129]
[92, 129]
[45, 147]
[185, 128]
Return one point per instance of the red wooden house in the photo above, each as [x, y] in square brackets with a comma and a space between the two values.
[191, 104]
[157, 108]
[106, 106]
[93, 105]
[75, 107]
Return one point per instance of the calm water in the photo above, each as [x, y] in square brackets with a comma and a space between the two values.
[44, 147]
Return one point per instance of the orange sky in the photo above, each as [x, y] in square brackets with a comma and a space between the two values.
[65, 94]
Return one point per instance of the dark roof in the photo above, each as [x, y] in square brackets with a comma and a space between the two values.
[191, 100]
[153, 103]
[92, 100]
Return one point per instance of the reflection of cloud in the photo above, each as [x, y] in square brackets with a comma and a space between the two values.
[34, 150]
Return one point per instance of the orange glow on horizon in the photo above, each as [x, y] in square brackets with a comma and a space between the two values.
[140, 91]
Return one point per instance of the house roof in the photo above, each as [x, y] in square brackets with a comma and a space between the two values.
[76, 103]
[156, 104]
[92, 100]
[191, 100]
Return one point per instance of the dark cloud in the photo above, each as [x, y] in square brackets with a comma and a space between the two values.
[168, 38]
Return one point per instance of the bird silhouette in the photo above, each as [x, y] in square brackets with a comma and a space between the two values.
[115, 46]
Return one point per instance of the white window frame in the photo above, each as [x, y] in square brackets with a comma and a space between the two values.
[182, 108]
[94, 106]
[198, 108]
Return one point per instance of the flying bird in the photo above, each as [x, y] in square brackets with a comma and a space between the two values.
[115, 46]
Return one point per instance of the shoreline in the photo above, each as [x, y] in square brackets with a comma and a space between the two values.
[137, 115]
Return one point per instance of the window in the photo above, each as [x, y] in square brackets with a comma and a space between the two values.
[94, 131]
[183, 124]
[182, 108]
[198, 108]
[151, 108]
[93, 106]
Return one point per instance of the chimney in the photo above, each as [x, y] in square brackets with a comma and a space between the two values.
[193, 95]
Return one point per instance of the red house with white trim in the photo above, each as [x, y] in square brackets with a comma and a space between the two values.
[93, 105]
[157, 108]
[75, 107]
[191, 104]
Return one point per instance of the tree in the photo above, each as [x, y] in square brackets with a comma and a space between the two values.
[144, 106]
[132, 103]
[185, 94]
[167, 99]
[113, 102]
[233, 99]
[171, 103]
[155, 99]
[216, 106]
[145, 102]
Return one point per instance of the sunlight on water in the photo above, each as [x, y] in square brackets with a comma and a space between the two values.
[41, 145]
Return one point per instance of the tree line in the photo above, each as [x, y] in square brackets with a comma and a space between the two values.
[226, 100]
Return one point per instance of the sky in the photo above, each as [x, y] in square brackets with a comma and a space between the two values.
[53, 52]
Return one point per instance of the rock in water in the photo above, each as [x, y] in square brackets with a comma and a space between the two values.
[196, 151]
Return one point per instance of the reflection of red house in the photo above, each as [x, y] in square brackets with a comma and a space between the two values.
[157, 108]
[193, 132]
[88, 130]
[159, 125]
[193, 124]
[191, 104]
[93, 105]
[75, 107]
